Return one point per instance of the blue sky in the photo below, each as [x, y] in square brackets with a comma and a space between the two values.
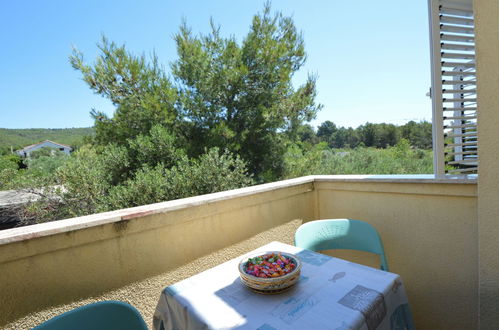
[372, 57]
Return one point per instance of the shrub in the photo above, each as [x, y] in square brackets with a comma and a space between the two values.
[46, 165]
[96, 181]
[212, 172]
[14, 177]
[46, 152]
[320, 159]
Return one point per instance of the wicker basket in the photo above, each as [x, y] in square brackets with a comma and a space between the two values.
[270, 285]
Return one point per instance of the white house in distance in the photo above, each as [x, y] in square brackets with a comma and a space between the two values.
[26, 151]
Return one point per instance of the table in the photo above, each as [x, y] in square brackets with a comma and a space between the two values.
[331, 294]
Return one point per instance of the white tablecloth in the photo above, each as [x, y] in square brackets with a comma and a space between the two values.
[331, 294]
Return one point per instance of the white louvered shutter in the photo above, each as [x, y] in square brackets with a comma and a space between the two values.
[453, 88]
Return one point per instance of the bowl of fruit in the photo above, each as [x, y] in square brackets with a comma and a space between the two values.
[270, 272]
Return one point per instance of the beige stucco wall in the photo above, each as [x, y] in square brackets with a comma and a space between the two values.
[430, 234]
[38, 272]
[144, 294]
[429, 229]
[487, 53]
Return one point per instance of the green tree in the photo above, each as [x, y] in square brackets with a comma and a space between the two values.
[306, 133]
[418, 134]
[388, 135]
[326, 130]
[339, 138]
[241, 96]
[352, 138]
[159, 146]
[230, 95]
[368, 134]
[140, 90]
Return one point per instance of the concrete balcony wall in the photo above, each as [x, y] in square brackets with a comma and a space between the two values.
[60, 262]
[430, 232]
[487, 68]
[428, 226]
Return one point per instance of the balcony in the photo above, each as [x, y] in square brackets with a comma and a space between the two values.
[429, 227]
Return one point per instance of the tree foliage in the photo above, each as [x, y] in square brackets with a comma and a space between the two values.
[225, 94]
[139, 88]
[381, 135]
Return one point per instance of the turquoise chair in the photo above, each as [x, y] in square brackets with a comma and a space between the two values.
[348, 234]
[105, 315]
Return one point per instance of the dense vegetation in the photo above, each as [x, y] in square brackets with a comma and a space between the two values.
[371, 135]
[35, 172]
[225, 116]
[320, 159]
[375, 135]
[19, 138]
[223, 94]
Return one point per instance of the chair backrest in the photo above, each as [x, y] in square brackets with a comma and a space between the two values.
[105, 315]
[348, 234]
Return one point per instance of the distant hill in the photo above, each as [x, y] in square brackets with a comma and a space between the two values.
[18, 138]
